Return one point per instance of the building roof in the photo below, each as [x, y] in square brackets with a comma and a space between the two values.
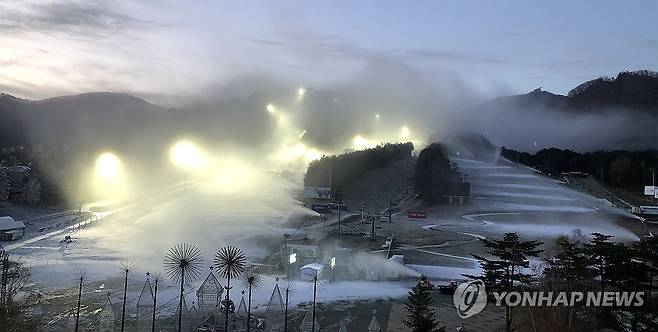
[276, 301]
[8, 223]
[374, 325]
[211, 286]
[146, 296]
[317, 193]
[242, 308]
[343, 327]
[314, 266]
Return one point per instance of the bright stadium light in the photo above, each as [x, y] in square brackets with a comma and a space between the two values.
[312, 154]
[377, 116]
[361, 143]
[405, 132]
[300, 92]
[186, 154]
[270, 108]
[108, 166]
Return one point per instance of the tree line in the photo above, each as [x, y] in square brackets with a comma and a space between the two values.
[345, 168]
[572, 264]
[26, 177]
[629, 170]
[435, 175]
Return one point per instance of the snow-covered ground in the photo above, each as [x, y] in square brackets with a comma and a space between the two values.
[506, 198]
[511, 198]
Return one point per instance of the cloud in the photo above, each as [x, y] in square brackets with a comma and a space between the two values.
[77, 18]
[341, 47]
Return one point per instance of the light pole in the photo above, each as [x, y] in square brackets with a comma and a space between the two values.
[77, 314]
[315, 287]
[390, 208]
[155, 302]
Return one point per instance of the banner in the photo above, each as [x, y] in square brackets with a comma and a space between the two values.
[416, 215]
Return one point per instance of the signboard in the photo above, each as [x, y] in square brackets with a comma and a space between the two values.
[656, 195]
[649, 190]
[416, 215]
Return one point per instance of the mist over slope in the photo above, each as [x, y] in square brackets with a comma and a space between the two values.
[601, 114]
[387, 101]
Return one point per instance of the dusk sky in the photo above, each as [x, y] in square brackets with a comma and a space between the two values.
[177, 48]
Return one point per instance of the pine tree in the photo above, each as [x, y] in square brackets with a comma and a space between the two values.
[599, 251]
[502, 273]
[647, 252]
[571, 265]
[421, 317]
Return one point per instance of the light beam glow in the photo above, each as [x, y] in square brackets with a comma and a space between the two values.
[360, 143]
[405, 132]
[186, 155]
[108, 166]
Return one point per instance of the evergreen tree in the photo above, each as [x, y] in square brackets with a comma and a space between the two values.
[647, 252]
[421, 317]
[600, 251]
[570, 266]
[506, 270]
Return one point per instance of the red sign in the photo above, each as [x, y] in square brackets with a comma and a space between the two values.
[416, 215]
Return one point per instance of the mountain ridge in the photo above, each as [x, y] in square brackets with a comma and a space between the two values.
[631, 90]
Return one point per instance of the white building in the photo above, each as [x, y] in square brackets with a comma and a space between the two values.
[309, 271]
[11, 229]
[317, 194]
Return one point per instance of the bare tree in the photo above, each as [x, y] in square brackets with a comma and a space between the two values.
[230, 263]
[183, 263]
[251, 280]
[127, 268]
[14, 314]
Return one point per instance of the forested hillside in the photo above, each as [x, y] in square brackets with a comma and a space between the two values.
[623, 169]
[347, 167]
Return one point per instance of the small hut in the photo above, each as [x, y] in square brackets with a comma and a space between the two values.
[145, 307]
[274, 311]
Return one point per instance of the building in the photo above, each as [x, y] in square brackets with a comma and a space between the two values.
[317, 195]
[11, 229]
[274, 311]
[309, 271]
[457, 193]
[145, 308]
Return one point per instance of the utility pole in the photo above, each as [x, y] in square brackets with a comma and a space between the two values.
[390, 208]
[372, 229]
[285, 314]
[330, 169]
[315, 286]
[77, 314]
[363, 212]
[339, 199]
[155, 302]
[653, 183]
